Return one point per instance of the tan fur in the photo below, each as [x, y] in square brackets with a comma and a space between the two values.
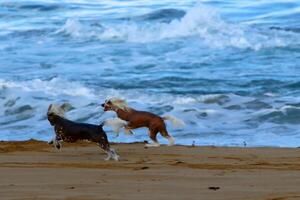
[120, 104]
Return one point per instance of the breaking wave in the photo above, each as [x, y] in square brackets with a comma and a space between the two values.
[201, 22]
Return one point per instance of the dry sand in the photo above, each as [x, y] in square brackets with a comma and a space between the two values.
[35, 170]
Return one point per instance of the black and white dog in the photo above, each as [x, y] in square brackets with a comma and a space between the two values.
[69, 131]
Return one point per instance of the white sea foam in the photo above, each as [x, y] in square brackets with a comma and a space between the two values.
[200, 21]
[208, 122]
[72, 27]
[55, 86]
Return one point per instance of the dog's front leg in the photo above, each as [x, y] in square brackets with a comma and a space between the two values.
[128, 130]
[57, 142]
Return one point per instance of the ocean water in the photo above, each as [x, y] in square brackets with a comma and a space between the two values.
[229, 69]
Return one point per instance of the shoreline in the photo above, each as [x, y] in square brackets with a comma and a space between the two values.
[139, 142]
[35, 170]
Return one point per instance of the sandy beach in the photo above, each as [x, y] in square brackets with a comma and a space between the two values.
[35, 170]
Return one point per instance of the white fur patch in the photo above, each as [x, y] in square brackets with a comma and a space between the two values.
[56, 109]
[119, 103]
[116, 124]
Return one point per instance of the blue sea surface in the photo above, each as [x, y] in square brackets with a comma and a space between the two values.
[229, 69]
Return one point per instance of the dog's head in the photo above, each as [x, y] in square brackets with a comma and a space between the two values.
[114, 104]
[55, 110]
[107, 105]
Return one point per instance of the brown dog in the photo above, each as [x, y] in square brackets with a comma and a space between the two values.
[137, 119]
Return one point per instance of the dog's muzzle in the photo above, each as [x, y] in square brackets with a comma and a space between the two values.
[105, 107]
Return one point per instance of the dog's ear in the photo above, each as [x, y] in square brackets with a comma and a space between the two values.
[66, 107]
[49, 108]
[120, 101]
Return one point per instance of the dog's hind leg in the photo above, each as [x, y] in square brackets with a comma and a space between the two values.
[106, 149]
[114, 155]
[152, 135]
[166, 135]
[104, 144]
[111, 154]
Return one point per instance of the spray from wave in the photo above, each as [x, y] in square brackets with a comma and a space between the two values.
[54, 87]
[201, 22]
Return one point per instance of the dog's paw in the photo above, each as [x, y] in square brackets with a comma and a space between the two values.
[107, 158]
[171, 141]
[57, 146]
[152, 145]
[50, 142]
[115, 156]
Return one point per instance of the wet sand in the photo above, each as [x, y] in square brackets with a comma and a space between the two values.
[35, 170]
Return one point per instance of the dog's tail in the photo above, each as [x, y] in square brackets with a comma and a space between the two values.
[115, 123]
[174, 120]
